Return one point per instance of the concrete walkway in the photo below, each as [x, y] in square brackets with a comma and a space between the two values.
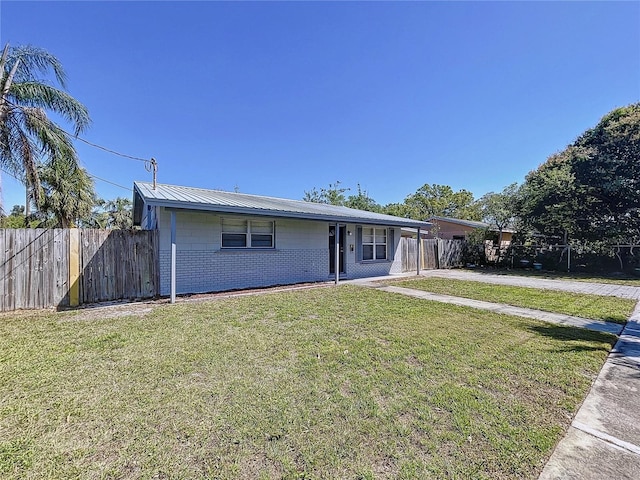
[603, 441]
[612, 290]
[559, 318]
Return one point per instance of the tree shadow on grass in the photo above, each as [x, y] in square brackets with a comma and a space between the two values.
[576, 337]
[618, 319]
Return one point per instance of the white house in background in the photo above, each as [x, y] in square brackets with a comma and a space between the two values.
[221, 241]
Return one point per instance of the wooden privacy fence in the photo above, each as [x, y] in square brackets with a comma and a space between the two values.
[65, 267]
[118, 264]
[436, 253]
[34, 268]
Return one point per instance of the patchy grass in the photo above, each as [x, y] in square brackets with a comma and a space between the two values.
[326, 383]
[619, 279]
[597, 307]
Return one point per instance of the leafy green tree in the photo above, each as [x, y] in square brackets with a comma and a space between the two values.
[548, 201]
[69, 195]
[441, 200]
[334, 195]
[606, 165]
[499, 210]
[28, 136]
[362, 201]
[591, 190]
[15, 219]
[396, 209]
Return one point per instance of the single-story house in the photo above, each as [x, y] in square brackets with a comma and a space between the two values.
[458, 229]
[212, 240]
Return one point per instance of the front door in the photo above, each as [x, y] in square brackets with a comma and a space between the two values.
[332, 248]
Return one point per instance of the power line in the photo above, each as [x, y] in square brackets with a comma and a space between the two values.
[150, 164]
[107, 181]
[146, 160]
[95, 145]
[90, 174]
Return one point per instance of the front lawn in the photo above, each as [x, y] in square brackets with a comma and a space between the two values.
[597, 307]
[338, 382]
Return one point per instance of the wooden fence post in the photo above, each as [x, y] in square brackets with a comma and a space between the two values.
[74, 267]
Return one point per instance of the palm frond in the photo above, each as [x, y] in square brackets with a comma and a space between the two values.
[36, 94]
[32, 60]
[69, 191]
[54, 141]
[30, 165]
[13, 142]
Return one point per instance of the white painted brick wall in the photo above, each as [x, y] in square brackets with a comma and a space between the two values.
[301, 255]
[208, 271]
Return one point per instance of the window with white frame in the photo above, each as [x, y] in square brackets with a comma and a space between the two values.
[239, 233]
[374, 244]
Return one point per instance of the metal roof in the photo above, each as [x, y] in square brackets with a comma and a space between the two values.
[191, 198]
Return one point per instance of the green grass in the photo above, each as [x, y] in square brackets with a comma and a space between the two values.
[326, 383]
[576, 276]
[597, 307]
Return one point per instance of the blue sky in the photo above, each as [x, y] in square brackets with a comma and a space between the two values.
[276, 98]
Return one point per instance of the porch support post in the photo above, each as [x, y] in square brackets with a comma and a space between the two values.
[337, 263]
[173, 256]
[419, 253]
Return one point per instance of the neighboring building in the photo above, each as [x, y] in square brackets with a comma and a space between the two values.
[225, 241]
[458, 229]
[408, 232]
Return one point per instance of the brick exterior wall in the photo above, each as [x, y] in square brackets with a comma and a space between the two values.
[375, 269]
[206, 271]
[301, 254]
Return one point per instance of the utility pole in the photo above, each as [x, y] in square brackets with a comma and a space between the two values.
[152, 166]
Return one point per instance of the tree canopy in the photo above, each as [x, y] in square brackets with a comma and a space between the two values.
[333, 195]
[440, 200]
[591, 190]
[427, 201]
[499, 209]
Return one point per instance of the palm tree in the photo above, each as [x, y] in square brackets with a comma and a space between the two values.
[98, 218]
[27, 136]
[68, 190]
[119, 211]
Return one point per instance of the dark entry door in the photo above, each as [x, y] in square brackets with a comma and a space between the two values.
[332, 248]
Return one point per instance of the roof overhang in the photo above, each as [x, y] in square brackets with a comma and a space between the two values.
[139, 198]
